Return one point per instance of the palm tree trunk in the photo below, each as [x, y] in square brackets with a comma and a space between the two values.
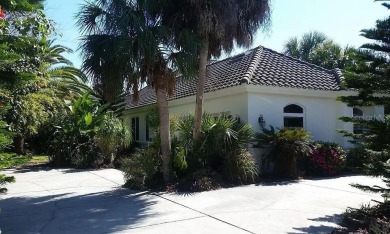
[203, 56]
[165, 135]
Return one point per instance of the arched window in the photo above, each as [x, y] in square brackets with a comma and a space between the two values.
[357, 128]
[293, 116]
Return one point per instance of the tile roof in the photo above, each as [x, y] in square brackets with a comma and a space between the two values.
[259, 66]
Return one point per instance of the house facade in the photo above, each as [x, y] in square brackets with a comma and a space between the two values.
[263, 87]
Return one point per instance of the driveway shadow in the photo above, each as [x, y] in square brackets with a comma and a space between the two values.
[103, 212]
[277, 182]
[336, 218]
[45, 167]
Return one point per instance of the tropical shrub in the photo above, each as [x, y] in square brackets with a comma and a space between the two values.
[5, 136]
[112, 136]
[326, 159]
[142, 169]
[204, 179]
[220, 136]
[290, 146]
[8, 160]
[240, 167]
[77, 135]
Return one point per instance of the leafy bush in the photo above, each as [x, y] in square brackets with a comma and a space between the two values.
[327, 159]
[367, 219]
[5, 136]
[220, 137]
[290, 146]
[143, 169]
[240, 167]
[6, 161]
[73, 142]
[180, 164]
[112, 136]
[204, 179]
[359, 157]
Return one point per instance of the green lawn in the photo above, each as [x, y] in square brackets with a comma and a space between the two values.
[8, 160]
[38, 159]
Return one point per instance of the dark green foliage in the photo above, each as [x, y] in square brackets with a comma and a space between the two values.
[369, 75]
[239, 167]
[359, 157]
[326, 159]
[367, 219]
[73, 142]
[221, 147]
[180, 164]
[220, 136]
[5, 136]
[289, 147]
[127, 45]
[204, 179]
[318, 49]
[112, 136]
[5, 180]
[142, 169]
[221, 155]
[6, 161]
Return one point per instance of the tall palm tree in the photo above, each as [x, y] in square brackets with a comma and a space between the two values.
[219, 25]
[126, 44]
[317, 48]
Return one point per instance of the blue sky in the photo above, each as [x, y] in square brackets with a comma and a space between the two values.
[341, 20]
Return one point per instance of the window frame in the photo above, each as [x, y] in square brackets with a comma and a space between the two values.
[294, 115]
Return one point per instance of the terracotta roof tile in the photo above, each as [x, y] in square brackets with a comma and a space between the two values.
[259, 66]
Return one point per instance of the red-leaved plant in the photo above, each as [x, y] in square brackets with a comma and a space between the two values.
[327, 159]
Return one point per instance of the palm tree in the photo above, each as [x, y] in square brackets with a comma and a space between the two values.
[219, 25]
[52, 66]
[317, 48]
[128, 45]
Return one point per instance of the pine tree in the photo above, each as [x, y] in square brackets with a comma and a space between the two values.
[369, 75]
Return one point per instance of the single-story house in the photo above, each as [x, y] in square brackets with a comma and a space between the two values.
[262, 86]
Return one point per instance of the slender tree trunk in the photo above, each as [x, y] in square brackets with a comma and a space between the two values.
[203, 56]
[19, 145]
[165, 135]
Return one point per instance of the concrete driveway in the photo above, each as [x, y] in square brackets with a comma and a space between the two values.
[92, 201]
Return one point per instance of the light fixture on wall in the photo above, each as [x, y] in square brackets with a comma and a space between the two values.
[261, 121]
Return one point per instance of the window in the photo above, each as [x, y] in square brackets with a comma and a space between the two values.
[358, 114]
[135, 128]
[293, 116]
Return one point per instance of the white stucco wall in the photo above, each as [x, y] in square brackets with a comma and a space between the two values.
[321, 109]
[233, 100]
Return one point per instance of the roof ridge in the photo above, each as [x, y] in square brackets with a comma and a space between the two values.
[301, 61]
[339, 75]
[231, 57]
[247, 78]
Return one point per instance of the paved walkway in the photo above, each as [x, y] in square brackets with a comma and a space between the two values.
[76, 201]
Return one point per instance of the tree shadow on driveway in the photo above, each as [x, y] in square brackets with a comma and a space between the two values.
[322, 228]
[102, 212]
